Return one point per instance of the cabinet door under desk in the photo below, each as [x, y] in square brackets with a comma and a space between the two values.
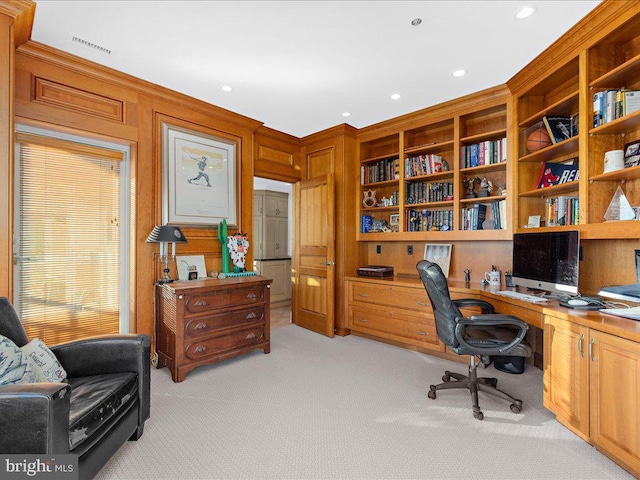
[201, 322]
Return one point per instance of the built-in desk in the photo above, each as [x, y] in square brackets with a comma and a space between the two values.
[591, 360]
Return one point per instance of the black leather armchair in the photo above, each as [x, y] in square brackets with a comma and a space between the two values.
[480, 335]
[104, 401]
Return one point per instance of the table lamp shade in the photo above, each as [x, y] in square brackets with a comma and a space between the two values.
[166, 233]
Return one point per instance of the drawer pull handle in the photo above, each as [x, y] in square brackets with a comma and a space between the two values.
[200, 303]
[251, 315]
[250, 336]
[580, 351]
[201, 326]
[201, 349]
[423, 304]
[363, 295]
[251, 296]
[420, 332]
[363, 320]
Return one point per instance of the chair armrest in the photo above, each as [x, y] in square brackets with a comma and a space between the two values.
[110, 354]
[34, 418]
[491, 320]
[487, 308]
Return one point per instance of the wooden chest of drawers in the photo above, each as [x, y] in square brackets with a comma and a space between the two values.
[205, 321]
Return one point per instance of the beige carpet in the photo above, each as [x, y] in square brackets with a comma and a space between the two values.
[347, 408]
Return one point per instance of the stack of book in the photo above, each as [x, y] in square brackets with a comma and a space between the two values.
[422, 165]
[609, 105]
[562, 210]
[427, 220]
[423, 192]
[381, 171]
[483, 153]
[474, 216]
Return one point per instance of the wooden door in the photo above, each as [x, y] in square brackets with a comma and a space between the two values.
[314, 301]
[615, 389]
[566, 373]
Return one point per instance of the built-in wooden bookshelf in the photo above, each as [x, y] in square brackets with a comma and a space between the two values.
[610, 61]
[429, 148]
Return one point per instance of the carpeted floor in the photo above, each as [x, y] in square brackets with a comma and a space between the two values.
[347, 408]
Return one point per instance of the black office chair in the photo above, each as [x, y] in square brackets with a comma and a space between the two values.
[484, 335]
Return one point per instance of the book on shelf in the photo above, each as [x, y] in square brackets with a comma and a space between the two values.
[609, 105]
[562, 210]
[473, 217]
[488, 152]
[558, 173]
[558, 127]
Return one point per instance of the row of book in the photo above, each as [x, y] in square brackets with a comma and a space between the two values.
[562, 210]
[422, 192]
[427, 220]
[475, 216]
[609, 105]
[380, 171]
[422, 165]
[483, 153]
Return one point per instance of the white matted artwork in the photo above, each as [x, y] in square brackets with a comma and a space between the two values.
[199, 177]
[439, 253]
[183, 262]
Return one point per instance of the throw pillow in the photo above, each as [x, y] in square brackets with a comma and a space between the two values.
[14, 366]
[43, 361]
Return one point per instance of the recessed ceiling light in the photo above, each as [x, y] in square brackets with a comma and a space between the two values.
[226, 88]
[346, 114]
[459, 73]
[416, 21]
[525, 12]
[395, 96]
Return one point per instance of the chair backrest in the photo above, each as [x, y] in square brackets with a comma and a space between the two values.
[444, 310]
[10, 325]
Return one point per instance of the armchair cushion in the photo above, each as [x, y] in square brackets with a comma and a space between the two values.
[14, 366]
[97, 398]
[43, 361]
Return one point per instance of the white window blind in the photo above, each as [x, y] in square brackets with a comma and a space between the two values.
[69, 238]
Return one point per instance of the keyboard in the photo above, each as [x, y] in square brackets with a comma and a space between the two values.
[521, 296]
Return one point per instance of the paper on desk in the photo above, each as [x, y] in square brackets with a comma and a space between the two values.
[632, 313]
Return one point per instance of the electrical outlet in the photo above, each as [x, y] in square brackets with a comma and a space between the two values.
[409, 249]
[378, 249]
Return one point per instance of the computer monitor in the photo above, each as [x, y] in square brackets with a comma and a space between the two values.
[547, 261]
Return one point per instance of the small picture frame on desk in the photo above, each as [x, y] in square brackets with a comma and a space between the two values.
[439, 253]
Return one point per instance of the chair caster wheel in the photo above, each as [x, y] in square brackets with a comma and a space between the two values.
[479, 415]
[432, 394]
[515, 408]
[446, 378]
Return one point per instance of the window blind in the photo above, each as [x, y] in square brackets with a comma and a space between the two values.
[68, 230]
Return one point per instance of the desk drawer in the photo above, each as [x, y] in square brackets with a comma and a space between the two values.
[391, 295]
[223, 298]
[197, 327]
[225, 343]
[396, 324]
[532, 317]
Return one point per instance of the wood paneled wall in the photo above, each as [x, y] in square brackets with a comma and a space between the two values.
[58, 91]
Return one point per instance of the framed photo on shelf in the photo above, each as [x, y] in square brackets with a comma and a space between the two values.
[198, 178]
[632, 154]
[185, 265]
[439, 253]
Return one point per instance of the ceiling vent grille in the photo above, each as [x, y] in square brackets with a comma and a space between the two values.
[91, 45]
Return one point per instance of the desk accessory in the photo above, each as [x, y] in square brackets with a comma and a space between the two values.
[379, 271]
[165, 234]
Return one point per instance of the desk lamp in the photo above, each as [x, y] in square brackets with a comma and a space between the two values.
[165, 234]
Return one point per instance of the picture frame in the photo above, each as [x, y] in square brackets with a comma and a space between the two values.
[199, 177]
[632, 154]
[534, 221]
[439, 253]
[183, 262]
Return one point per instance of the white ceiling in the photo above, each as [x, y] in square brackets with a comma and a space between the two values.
[298, 65]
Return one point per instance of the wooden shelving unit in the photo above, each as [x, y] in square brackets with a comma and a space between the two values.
[443, 132]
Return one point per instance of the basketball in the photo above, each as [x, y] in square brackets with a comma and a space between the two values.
[538, 139]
